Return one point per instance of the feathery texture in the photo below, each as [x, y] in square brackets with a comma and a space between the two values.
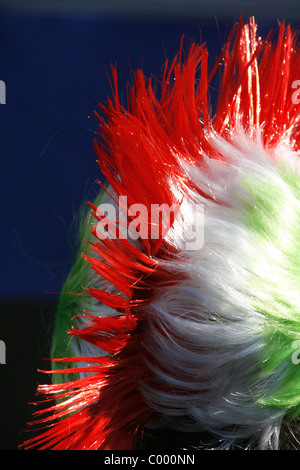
[195, 337]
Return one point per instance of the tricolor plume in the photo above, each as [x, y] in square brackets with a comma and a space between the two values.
[157, 331]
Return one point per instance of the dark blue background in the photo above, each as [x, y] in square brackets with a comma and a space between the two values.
[55, 71]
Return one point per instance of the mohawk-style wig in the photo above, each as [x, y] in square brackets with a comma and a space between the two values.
[154, 332]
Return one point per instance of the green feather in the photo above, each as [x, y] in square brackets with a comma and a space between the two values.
[69, 304]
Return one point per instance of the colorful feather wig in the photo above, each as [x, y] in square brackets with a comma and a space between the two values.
[156, 331]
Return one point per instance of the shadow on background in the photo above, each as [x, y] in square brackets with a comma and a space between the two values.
[26, 327]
